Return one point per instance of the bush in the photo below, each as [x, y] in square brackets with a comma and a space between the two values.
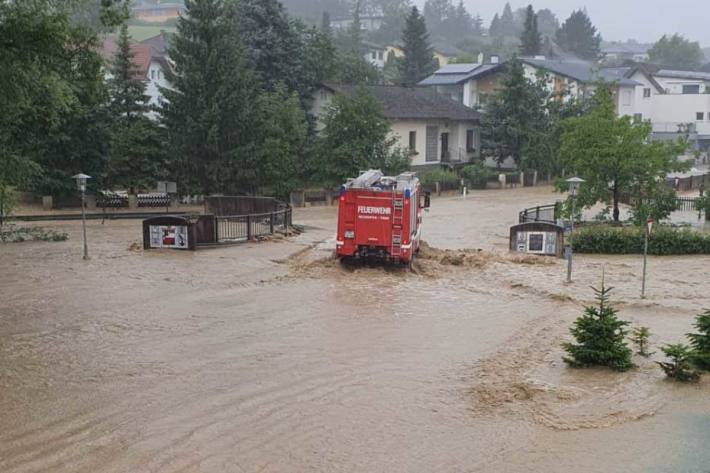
[13, 234]
[438, 175]
[600, 337]
[701, 342]
[476, 175]
[679, 367]
[659, 207]
[604, 239]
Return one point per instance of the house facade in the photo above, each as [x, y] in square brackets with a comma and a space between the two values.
[433, 128]
[468, 84]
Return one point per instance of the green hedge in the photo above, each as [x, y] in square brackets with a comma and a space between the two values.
[476, 175]
[438, 175]
[603, 239]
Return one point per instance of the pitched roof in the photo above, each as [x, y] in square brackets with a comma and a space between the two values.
[581, 71]
[417, 103]
[159, 43]
[452, 74]
[683, 74]
[142, 56]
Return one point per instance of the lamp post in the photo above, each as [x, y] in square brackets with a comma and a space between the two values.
[574, 184]
[81, 184]
[649, 227]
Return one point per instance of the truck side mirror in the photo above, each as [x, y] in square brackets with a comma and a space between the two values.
[427, 200]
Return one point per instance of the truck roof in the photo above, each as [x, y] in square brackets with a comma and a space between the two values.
[375, 180]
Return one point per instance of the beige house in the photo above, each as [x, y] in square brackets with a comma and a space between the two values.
[433, 127]
[442, 52]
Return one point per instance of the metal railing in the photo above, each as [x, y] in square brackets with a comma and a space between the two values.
[247, 227]
[541, 213]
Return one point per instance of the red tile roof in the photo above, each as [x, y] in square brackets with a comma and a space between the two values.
[142, 55]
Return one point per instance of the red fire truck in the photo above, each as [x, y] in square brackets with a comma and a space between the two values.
[380, 217]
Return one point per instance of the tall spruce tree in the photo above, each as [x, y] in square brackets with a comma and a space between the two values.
[269, 42]
[494, 31]
[135, 153]
[531, 40]
[209, 114]
[579, 36]
[508, 27]
[418, 61]
[700, 341]
[514, 116]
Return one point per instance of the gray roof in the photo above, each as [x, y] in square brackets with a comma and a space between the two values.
[683, 74]
[581, 71]
[417, 103]
[453, 74]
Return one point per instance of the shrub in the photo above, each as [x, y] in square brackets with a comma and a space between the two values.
[639, 336]
[603, 239]
[600, 337]
[679, 367]
[14, 234]
[660, 206]
[438, 175]
[476, 175]
[700, 342]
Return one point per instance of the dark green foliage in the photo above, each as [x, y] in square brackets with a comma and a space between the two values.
[136, 156]
[640, 336]
[613, 154]
[658, 202]
[448, 21]
[476, 175]
[440, 175]
[578, 36]
[600, 337]
[514, 116]
[418, 60]
[665, 241]
[530, 40]
[677, 52]
[679, 367]
[700, 342]
[356, 136]
[353, 69]
[209, 113]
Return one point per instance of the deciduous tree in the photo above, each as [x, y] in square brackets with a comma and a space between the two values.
[676, 51]
[579, 36]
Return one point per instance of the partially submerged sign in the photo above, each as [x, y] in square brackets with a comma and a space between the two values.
[538, 238]
[169, 232]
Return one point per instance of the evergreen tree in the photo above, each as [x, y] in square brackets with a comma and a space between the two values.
[680, 367]
[508, 26]
[579, 37]
[418, 60]
[600, 337]
[547, 23]
[269, 43]
[209, 114]
[530, 39]
[135, 154]
[356, 136]
[494, 30]
[700, 342]
[514, 115]
[325, 24]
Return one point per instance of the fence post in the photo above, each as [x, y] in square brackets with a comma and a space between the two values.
[248, 227]
[271, 222]
[438, 188]
[537, 213]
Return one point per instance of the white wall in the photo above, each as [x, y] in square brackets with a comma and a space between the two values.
[670, 110]
[156, 78]
[675, 86]
[457, 138]
[380, 57]
[626, 100]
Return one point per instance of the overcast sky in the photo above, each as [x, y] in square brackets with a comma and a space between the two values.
[643, 20]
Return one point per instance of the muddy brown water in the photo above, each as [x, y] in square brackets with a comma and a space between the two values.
[270, 357]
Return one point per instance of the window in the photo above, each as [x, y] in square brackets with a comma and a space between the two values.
[152, 74]
[413, 141]
[470, 145]
[158, 74]
[638, 118]
[647, 92]
[691, 89]
[700, 116]
[374, 54]
[380, 55]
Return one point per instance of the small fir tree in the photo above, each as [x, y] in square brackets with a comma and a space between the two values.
[531, 40]
[600, 337]
[679, 367]
[700, 342]
[418, 60]
[640, 336]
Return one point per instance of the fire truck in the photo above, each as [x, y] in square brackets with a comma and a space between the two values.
[380, 217]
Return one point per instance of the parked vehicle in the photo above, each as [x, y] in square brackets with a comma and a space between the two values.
[380, 217]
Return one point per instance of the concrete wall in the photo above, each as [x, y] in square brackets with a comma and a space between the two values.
[457, 139]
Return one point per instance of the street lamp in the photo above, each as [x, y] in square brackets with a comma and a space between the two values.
[81, 184]
[574, 184]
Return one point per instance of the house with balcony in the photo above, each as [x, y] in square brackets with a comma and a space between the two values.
[468, 84]
[432, 127]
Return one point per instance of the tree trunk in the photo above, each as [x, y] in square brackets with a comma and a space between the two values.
[616, 203]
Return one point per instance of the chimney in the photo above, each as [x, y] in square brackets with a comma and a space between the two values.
[495, 59]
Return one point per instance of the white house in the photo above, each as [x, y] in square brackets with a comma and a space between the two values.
[466, 83]
[375, 54]
[619, 52]
[368, 22]
[434, 128]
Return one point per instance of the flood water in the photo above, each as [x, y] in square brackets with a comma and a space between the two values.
[270, 357]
